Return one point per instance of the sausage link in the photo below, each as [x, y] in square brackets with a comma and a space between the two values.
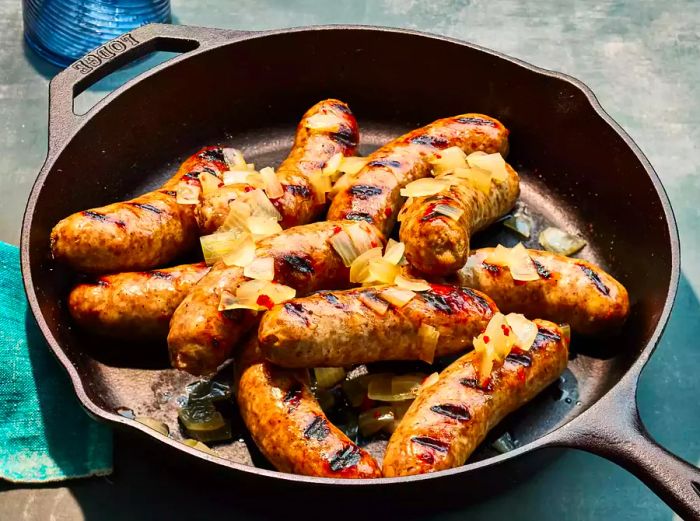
[569, 290]
[133, 304]
[449, 419]
[374, 196]
[201, 337]
[288, 425]
[439, 245]
[336, 328]
[312, 149]
[140, 234]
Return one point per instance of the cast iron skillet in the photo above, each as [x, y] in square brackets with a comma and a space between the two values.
[580, 172]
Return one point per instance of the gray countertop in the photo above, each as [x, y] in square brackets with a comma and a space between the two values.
[641, 58]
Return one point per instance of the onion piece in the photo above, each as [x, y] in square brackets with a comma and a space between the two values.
[153, 424]
[566, 331]
[234, 158]
[449, 160]
[504, 444]
[521, 266]
[209, 182]
[374, 420]
[260, 204]
[432, 379]
[195, 444]
[520, 223]
[236, 177]
[332, 166]
[394, 251]
[379, 388]
[380, 270]
[262, 227]
[352, 165]
[343, 246]
[251, 289]
[428, 338]
[260, 268]
[492, 163]
[279, 293]
[327, 377]
[320, 186]
[424, 187]
[187, 193]
[558, 241]
[242, 253]
[359, 269]
[500, 256]
[406, 386]
[218, 245]
[273, 188]
[475, 177]
[449, 211]
[412, 284]
[525, 330]
[360, 238]
[376, 304]
[229, 301]
[397, 296]
[323, 122]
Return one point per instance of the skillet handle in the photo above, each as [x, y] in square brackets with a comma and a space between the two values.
[613, 429]
[113, 55]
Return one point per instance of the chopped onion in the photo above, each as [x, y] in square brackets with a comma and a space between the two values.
[400, 409]
[209, 182]
[425, 186]
[279, 293]
[428, 338]
[327, 377]
[449, 211]
[449, 160]
[260, 205]
[261, 268]
[343, 183]
[494, 344]
[262, 227]
[566, 331]
[412, 284]
[344, 247]
[195, 444]
[352, 165]
[374, 420]
[187, 194]
[520, 223]
[234, 158]
[359, 237]
[229, 301]
[394, 252]
[492, 163]
[558, 241]
[242, 253]
[503, 444]
[323, 122]
[355, 389]
[251, 289]
[375, 304]
[524, 329]
[397, 296]
[236, 177]
[475, 260]
[380, 270]
[379, 388]
[218, 245]
[476, 177]
[521, 266]
[273, 187]
[359, 269]
[153, 424]
[500, 256]
[333, 165]
[432, 379]
[320, 186]
[406, 386]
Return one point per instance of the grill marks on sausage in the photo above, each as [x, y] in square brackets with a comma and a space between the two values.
[543, 272]
[478, 299]
[297, 310]
[293, 396]
[455, 411]
[342, 108]
[318, 429]
[298, 190]
[477, 121]
[345, 136]
[365, 191]
[345, 458]
[431, 443]
[522, 359]
[595, 278]
[436, 302]
[545, 336]
[391, 163]
[171, 193]
[213, 154]
[96, 216]
[359, 216]
[147, 207]
[431, 141]
[191, 176]
[155, 274]
[332, 300]
[473, 383]
[491, 268]
[299, 264]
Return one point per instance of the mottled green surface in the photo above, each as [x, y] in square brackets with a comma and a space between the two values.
[641, 58]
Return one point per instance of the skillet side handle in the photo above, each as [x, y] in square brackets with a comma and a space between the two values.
[614, 431]
[114, 54]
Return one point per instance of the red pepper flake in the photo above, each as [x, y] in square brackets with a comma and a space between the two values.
[516, 350]
[486, 339]
[519, 282]
[374, 244]
[387, 212]
[265, 301]
[336, 230]
[521, 373]
[506, 329]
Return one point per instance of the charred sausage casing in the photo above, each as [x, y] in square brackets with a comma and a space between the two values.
[287, 423]
[337, 328]
[569, 290]
[449, 419]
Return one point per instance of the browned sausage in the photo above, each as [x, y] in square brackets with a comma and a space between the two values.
[288, 425]
[374, 193]
[312, 149]
[568, 290]
[336, 328]
[449, 419]
[139, 234]
[133, 304]
[439, 245]
[201, 337]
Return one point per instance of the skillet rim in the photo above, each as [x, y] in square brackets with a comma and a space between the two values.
[626, 383]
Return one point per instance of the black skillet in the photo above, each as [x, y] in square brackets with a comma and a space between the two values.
[580, 171]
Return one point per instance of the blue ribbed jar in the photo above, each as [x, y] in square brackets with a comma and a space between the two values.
[64, 30]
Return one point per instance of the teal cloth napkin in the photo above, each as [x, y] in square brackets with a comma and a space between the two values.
[45, 435]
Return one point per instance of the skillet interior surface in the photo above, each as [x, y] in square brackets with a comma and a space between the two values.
[577, 174]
